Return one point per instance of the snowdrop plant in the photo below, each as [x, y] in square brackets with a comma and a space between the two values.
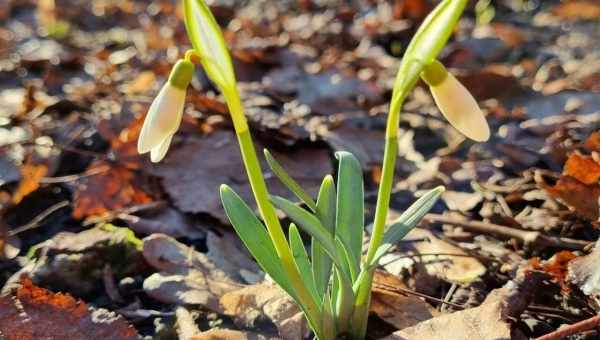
[331, 283]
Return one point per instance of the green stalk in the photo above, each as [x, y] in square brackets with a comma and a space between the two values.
[408, 75]
[267, 211]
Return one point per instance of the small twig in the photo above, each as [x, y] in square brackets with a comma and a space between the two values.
[575, 328]
[112, 215]
[36, 221]
[412, 292]
[525, 236]
[72, 178]
[59, 147]
[398, 258]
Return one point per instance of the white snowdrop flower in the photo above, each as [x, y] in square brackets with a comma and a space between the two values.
[456, 102]
[165, 113]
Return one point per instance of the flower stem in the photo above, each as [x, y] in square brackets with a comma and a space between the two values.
[407, 78]
[267, 211]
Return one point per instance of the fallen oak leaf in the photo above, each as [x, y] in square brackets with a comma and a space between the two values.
[186, 276]
[116, 188]
[556, 267]
[36, 313]
[265, 301]
[192, 173]
[489, 321]
[397, 309]
[583, 168]
[578, 196]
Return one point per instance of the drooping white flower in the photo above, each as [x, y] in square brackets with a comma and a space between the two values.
[456, 103]
[165, 113]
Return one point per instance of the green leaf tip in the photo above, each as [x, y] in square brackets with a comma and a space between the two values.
[288, 181]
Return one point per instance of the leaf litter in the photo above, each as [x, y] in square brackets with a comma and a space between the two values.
[83, 215]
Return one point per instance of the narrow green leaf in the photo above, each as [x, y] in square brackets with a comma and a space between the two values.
[360, 313]
[349, 222]
[328, 319]
[407, 221]
[302, 261]
[321, 263]
[310, 224]
[344, 302]
[255, 237]
[207, 40]
[289, 182]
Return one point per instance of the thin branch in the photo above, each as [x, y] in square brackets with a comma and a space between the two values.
[527, 237]
[575, 328]
[36, 221]
[421, 295]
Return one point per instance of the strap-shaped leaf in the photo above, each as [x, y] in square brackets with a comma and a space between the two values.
[328, 319]
[407, 221]
[288, 181]
[321, 263]
[349, 222]
[360, 313]
[344, 303]
[255, 237]
[310, 224]
[302, 261]
[207, 40]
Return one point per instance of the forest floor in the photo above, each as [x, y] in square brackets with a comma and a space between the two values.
[98, 242]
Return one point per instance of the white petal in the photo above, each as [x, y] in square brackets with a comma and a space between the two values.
[163, 118]
[460, 109]
[159, 152]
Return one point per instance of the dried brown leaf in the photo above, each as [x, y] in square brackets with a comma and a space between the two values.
[116, 188]
[585, 169]
[397, 309]
[265, 301]
[30, 182]
[581, 198]
[36, 313]
[489, 321]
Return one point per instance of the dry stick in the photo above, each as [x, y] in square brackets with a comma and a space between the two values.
[575, 328]
[527, 237]
[36, 221]
[391, 288]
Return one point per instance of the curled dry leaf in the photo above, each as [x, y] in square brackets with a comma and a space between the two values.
[456, 267]
[254, 304]
[186, 276]
[489, 321]
[578, 196]
[36, 313]
[397, 309]
[115, 188]
[556, 267]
